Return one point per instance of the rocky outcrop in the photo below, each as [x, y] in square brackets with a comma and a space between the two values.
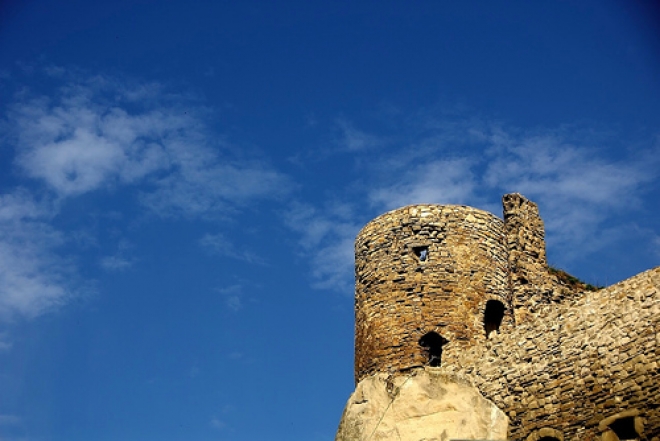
[422, 405]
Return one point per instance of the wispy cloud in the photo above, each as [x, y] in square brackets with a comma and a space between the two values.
[578, 187]
[9, 420]
[442, 181]
[198, 188]
[116, 263]
[233, 297]
[354, 140]
[5, 342]
[219, 420]
[327, 236]
[33, 277]
[219, 244]
[76, 145]
[581, 189]
[217, 423]
[234, 303]
[119, 261]
[97, 133]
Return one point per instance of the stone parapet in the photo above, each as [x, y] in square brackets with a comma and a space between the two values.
[575, 365]
[532, 285]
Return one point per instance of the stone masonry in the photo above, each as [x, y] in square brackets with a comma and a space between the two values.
[457, 290]
[400, 297]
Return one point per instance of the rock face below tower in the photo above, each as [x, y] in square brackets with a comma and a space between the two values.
[425, 404]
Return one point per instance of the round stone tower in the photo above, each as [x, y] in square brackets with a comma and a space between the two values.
[430, 280]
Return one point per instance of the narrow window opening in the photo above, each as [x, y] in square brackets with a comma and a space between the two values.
[432, 343]
[493, 316]
[624, 428]
[422, 253]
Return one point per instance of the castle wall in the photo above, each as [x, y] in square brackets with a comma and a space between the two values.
[531, 284]
[577, 364]
[400, 295]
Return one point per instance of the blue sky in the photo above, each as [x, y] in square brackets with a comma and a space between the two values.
[181, 184]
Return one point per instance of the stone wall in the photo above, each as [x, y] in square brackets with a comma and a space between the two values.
[421, 269]
[564, 364]
[578, 364]
[531, 284]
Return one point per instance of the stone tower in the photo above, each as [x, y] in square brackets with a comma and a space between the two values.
[431, 281]
[462, 331]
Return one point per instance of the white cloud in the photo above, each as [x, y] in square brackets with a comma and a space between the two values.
[327, 240]
[438, 182]
[655, 244]
[328, 233]
[583, 192]
[216, 423]
[220, 245]
[217, 243]
[219, 422]
[119, 261]
[233, 297]
[9, 420]
[334, 262]
[305, 219]
[77, 146]
[542, 165]
[116, 263]
[5, 343]
[198, 188]
[98, 133]
[577, 187]
[33, 279]
[234, 303]
[354, 140]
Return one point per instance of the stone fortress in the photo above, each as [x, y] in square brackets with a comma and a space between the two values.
[462, 331]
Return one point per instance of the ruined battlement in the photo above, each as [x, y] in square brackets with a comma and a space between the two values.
[456, 291]
[442, 277]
